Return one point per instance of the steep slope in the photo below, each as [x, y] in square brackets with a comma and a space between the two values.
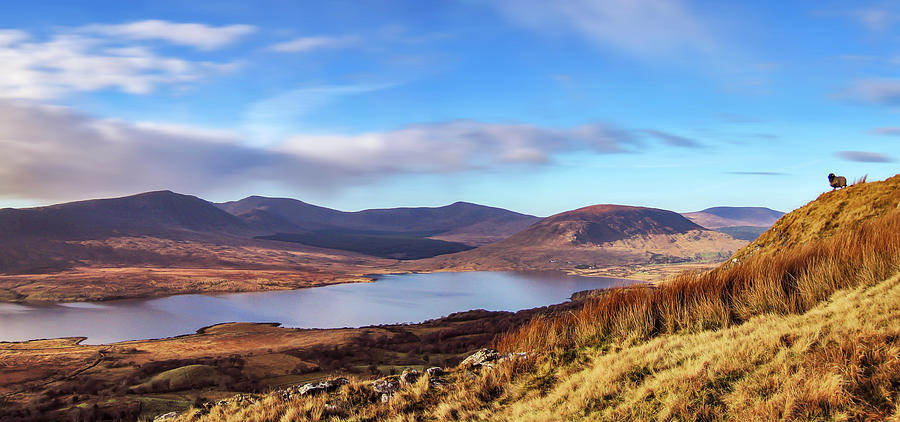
[718, 217]
[597, 235]
[831, 212]
[459, 222]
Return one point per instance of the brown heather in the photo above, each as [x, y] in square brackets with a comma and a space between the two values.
[804, 325]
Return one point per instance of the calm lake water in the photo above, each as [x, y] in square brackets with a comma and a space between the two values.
[392, 299]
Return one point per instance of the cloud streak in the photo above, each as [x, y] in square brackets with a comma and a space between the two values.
[200, 36]
[886, 131]
[875, 18]
[307, 44]
[673, 140]
[647, 28]
[865, 157]
[53, 153]
[885, 92]
[458, 146]
[270, 120]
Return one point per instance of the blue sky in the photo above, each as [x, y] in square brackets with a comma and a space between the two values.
[534, 106]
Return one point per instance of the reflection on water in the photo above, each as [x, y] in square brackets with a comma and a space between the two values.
[392, 299]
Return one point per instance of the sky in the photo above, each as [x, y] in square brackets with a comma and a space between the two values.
[529, 105]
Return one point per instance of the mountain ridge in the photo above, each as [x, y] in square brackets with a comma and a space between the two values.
[719, 217]
[460, 221]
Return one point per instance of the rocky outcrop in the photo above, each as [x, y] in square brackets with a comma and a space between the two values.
[410, 376]
[311, 389]
[486, 358]
[387, 387]
[166, 417]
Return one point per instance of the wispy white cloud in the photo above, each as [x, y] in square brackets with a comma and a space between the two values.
[673, 140]
[874, 91]
[270, 120]
[890, 131]
[647, 28]
[875, 18]
[306, 44]
[204, 37]
[68, 63]
[458, 146]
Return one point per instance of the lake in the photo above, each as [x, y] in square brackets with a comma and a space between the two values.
[390, 300]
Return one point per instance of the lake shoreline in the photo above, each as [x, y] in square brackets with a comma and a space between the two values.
[393, 299]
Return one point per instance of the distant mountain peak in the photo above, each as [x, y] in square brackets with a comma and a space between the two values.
[596, 224]
[718, 217]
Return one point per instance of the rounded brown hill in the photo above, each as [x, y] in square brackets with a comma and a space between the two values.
[598, 224]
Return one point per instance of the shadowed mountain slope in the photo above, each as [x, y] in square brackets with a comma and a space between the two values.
[150, 230]
[460, 222]
[151, 213]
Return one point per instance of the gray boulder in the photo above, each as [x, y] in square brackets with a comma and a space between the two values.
[409, 376]
[481, 358]
[486, 358]
[166, 416]
[386, 386]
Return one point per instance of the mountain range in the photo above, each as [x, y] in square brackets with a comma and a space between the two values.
[595, 236]
[179, 239]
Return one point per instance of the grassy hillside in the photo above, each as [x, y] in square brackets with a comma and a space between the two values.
[802, 328]
[831, 212]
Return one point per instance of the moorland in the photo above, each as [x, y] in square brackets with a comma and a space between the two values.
[162, 243]
[798, 325]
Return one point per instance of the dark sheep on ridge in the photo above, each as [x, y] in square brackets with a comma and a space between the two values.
[837, 181]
